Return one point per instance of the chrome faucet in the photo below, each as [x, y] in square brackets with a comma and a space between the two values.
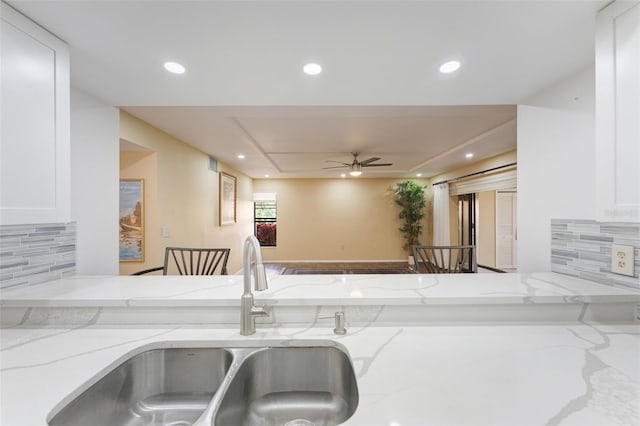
[248, 311]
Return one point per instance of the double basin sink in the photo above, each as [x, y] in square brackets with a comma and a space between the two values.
[305, 384]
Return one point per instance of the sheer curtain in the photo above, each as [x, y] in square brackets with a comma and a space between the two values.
[441, 215]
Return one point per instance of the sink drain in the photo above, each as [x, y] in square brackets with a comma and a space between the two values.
[299, 422]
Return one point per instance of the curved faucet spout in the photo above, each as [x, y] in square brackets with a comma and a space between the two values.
[248, 311]
[251, 244]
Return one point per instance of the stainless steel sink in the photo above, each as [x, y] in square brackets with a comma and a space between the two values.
[303, 384]
[293, 386]
[157, 387]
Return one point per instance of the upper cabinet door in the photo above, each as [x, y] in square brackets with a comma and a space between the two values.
[618, 111]
[35, 121]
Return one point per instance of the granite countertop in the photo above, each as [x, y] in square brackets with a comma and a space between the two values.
[410, 370]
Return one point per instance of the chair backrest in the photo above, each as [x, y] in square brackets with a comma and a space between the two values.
[445, 259]
[197, 261]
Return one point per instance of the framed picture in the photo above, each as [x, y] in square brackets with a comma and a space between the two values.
[131, 220]
[228, 199]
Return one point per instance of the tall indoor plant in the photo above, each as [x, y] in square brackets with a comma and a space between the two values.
[409, 195]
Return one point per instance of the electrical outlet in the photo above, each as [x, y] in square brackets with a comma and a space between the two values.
[638, 312]
[165, 232]
[622, 259]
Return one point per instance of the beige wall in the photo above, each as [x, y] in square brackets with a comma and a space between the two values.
[337, 219]
[487, 228]
[182, 194]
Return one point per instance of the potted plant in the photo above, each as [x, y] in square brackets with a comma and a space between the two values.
[409, 195]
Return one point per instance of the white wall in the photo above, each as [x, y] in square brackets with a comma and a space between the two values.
[556, 164]
[94, 183]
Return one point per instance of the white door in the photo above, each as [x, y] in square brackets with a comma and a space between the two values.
[506, 230]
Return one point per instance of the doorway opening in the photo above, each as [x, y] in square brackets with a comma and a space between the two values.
[487, 220]
[467, 220]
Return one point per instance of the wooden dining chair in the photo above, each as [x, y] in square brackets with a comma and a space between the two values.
[193, 261]
[445, 259]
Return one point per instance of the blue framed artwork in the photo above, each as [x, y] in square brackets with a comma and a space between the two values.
[131, 221]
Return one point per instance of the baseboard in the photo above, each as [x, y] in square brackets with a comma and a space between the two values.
[491, 268]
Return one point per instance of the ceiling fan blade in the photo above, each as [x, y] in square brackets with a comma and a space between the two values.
[339, 162]
[336, 167]
[370, 160]
[377, 165]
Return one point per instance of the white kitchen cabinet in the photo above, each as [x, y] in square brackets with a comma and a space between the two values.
[35, 122]
[618, 111]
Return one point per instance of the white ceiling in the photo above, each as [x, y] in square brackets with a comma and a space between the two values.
[380, 92]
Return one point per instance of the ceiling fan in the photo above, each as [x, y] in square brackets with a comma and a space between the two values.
[355, 168]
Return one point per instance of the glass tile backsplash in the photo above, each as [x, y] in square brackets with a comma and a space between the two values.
[31, 254]
[582, 248]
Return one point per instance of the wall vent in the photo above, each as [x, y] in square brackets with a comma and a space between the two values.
[213, 164]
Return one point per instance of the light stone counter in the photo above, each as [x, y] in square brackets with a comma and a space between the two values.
[494, 349]
[300, 290]
[301, 299]
[493, 375]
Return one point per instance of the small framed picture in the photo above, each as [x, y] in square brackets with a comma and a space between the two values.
[228, 199]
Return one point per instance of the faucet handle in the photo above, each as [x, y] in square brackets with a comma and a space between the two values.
[259, 311]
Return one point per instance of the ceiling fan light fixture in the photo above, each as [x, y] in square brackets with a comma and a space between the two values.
[355, 169]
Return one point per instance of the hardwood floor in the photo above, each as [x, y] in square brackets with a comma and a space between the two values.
[301, 268]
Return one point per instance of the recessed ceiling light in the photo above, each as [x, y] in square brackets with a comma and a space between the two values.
[419, 174]
[312, 69]
[469, 155]
[449, 67]
[174, 67]
[240, 156]
[266, 175]
[343, 175]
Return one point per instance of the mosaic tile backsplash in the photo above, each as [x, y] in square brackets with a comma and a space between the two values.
[31, 254]
[582, 248]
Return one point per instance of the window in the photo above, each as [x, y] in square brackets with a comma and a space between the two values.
[264, 214]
